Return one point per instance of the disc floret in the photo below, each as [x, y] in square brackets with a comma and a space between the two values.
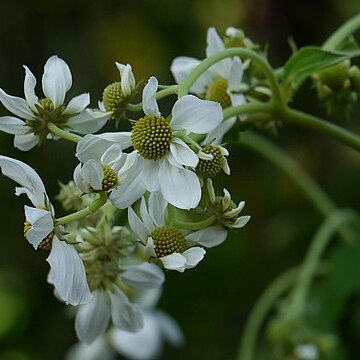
[152, 137]
[110, 180]
[217, 91]
[168, 240]
[212, 161]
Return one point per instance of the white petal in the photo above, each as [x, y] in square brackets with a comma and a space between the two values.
[180, 187]
[127, 78]
[182, 66]
[137, 225]
[88, 121]
[204, 156]
[193, 256]
[29, 88]
[183, 154]
[77, 104]
[98, 350]
[195, 115]
[89, 176]
[214, 46]
[25, 142]
[145, 216]
[150, 247]
[150, 170]
[174, 261]
[68, 273]
[169, 328]
[214, 43]
[142, 345]
[12, 125]
[157, 208]
[93, 318]
[215, 136]
[41, 222]
[241, 221]
[208, 237]
[130, 190]
[56, 80]
[150, 106]
[125, 315]
[93, 146]
[236, 74]
[111, 155]
[226, 167]
[25, 176]
[144, 276]
[16, 105]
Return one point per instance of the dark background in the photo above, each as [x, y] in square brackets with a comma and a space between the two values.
[211, 302]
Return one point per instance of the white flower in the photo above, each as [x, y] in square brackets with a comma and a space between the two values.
[93, 318]
[163, 241]
[145, 344]
[224, 209]
[307, 352]
[161, 155]
[221, 82]
[33, 114]
[212, 161]
[108, 170]
[117, 95]
[67, 271]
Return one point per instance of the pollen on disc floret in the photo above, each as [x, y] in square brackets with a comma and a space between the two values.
[151, 136]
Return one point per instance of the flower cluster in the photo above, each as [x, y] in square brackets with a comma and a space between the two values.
[161, 172]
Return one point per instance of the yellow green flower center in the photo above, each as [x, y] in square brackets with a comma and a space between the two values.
[110, 180]
[217, 91]
[47, 104]
[113, 96]
[151, 136]
[168, 240]
[46, 244]
[210, 168]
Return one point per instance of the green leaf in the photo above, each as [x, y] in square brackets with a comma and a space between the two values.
[309, 60]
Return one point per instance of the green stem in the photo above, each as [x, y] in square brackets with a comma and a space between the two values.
[342, 33]
[249, 108]
[208, 62]
[279, 286]
[195, 225]
[314, 123]
[170, 90]
[95, 205]
[313, 256]
[283, 161]
[63, 134]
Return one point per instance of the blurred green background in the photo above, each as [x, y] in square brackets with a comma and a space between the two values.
[212, 302]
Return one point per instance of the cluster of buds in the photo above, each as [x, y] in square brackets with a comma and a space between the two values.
[338, 87]
[294, 340]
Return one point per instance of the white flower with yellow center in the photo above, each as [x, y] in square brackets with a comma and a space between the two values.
[110, 170]
[221, 82]
[93, 318]
[117, 95]
[67, 271]
[30, 127]
[166, 242]
[162, 157]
